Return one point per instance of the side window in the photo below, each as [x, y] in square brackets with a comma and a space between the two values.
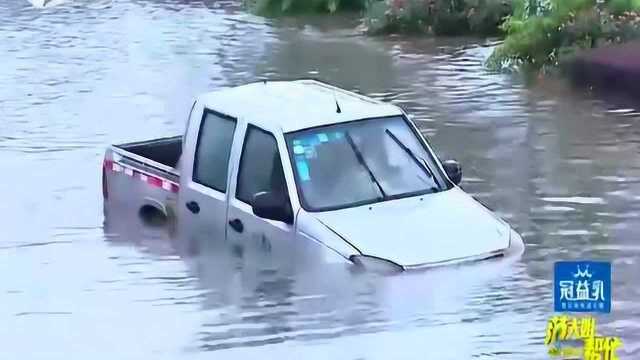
[213, 150]
[260, 166]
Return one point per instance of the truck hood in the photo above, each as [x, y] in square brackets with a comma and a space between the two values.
[448, 226]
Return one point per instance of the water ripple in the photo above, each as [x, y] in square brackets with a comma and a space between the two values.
[561, 167]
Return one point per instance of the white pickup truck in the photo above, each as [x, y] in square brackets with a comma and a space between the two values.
[305, 165]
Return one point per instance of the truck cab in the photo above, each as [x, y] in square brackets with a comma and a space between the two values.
[302, 167]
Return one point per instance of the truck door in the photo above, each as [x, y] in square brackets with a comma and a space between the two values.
[204, 179]
[264, 242]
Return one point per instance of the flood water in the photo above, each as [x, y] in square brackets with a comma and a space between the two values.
[561, 166]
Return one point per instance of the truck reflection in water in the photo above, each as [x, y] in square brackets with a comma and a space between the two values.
[255, 298]
[258, 301]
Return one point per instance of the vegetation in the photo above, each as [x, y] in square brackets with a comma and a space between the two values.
[275, 7]
[546, 33]
[440, 17]
[539, 33]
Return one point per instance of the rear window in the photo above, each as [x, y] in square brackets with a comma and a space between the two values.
[213, 149]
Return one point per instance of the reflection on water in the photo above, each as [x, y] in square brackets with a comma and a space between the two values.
[561, 167]
[250, 304]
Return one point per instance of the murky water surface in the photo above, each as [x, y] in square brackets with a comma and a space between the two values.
[561, 167]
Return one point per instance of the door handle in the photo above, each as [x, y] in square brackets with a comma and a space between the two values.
[237, 225]
[193, 207]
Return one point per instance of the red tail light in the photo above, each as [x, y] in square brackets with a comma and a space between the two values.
[154, 181]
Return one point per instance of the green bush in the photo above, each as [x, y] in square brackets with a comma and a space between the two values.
[538, 37]
[485, 16]
[619, 7]
[276, 7]
[440, 17]
[384, 17]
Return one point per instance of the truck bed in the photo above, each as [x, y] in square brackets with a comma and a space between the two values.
[165, 151]
[157, 157]
[143, 174]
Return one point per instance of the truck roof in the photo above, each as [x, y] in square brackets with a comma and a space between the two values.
[295, 105]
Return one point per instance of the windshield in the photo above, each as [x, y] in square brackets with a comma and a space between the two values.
[361, 162]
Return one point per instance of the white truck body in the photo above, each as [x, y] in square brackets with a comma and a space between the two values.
[400, 207]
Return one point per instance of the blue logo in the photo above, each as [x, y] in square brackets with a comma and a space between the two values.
[582, 286]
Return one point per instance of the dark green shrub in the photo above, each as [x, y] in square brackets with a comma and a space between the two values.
[276, 7]
[619, 7]
[414, 16]
[486, 16]
[440, 17]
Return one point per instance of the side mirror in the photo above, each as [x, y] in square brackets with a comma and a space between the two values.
[453, 170]
[272, 206]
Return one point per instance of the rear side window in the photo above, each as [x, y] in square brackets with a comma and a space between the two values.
[212, 151]
[260, 166]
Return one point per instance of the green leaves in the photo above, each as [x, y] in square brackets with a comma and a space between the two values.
[332, 5]
[279, 7]
[440, 17]
[286, 5]
[568, 26]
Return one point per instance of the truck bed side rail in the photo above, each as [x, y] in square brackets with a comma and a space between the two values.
[143, 169]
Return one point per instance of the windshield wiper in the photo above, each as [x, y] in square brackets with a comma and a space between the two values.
[364, 164]
[421, 164]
